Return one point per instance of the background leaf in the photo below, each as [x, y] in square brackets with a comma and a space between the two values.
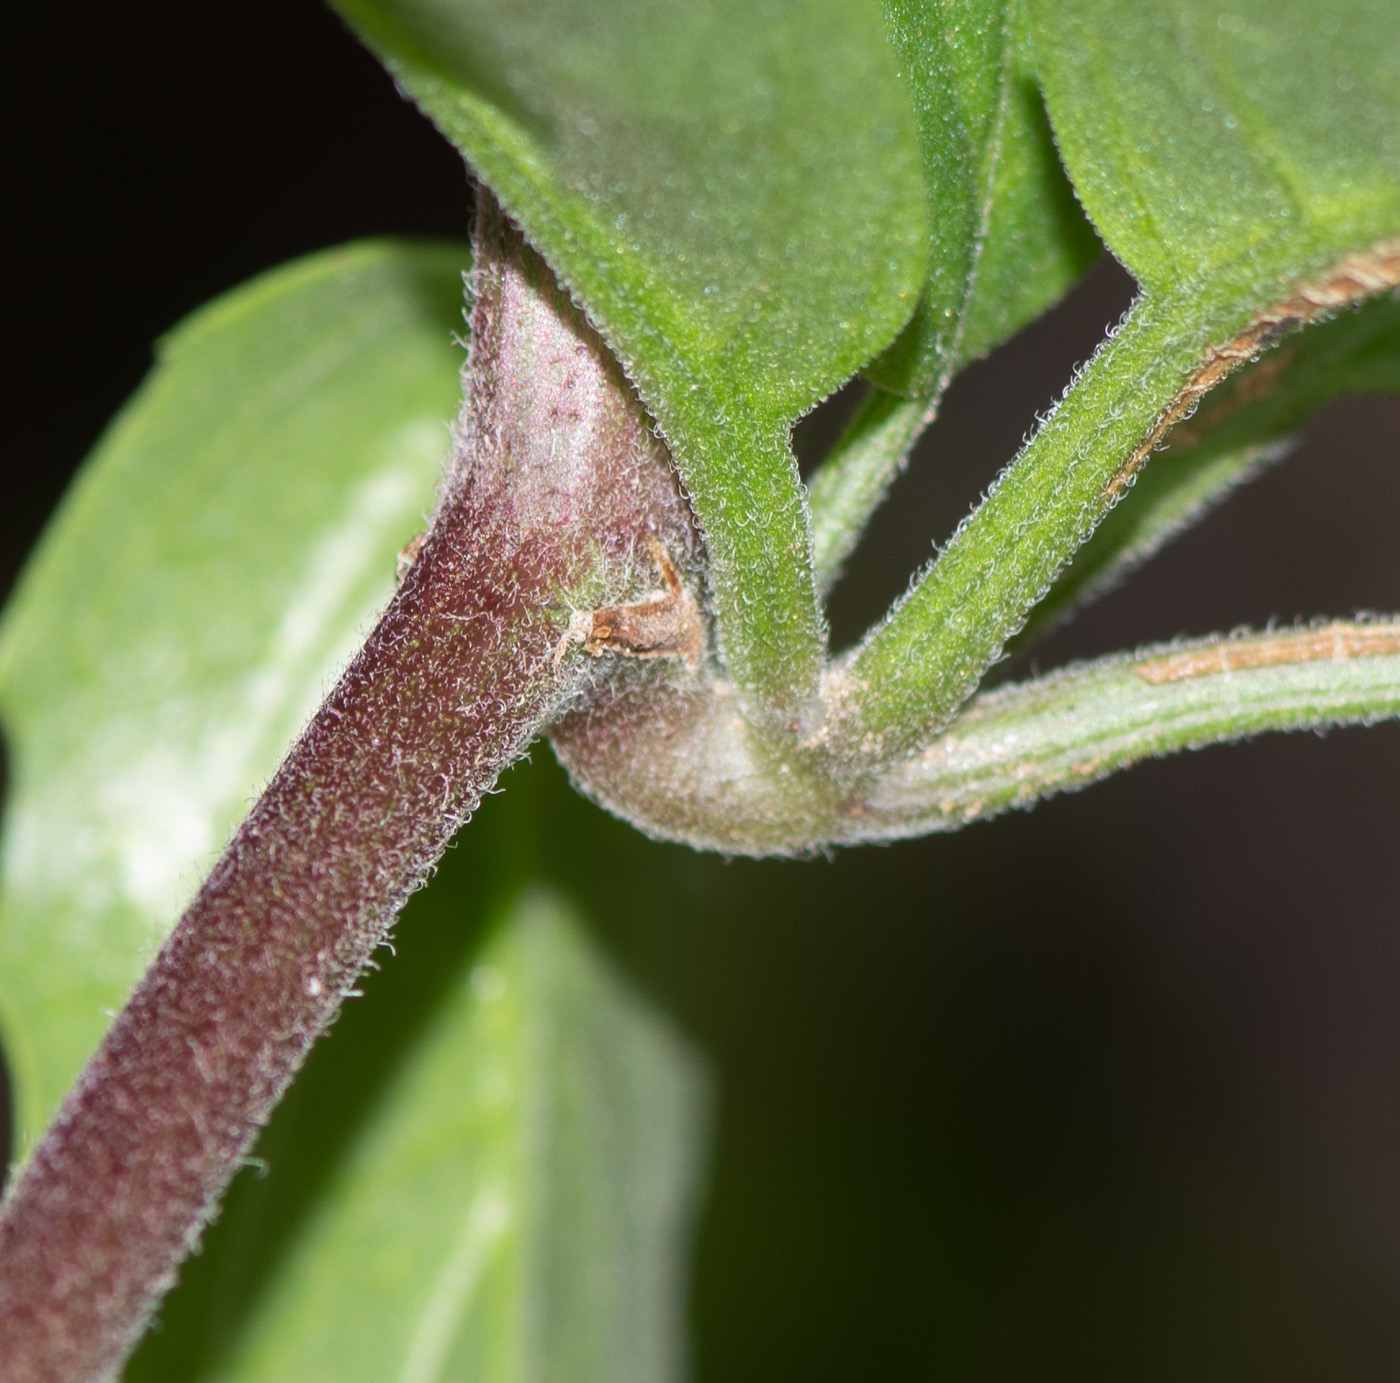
[219, 558]
[486, 1172]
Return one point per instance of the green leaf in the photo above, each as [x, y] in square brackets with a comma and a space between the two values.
[1237, 433]
[1199, 136]
[214, 565]
[1006, 235]
[486, 1172]
[1036, 242]
[1242, 220]
[732, 192]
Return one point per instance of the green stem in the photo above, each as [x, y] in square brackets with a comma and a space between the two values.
[1240, 431]
[1175, 493]
[744, 489]
[1017, 744]
[854, 480]
[914, 671]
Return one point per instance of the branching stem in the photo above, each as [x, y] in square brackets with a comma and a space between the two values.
[559, 513]
[1016, 745]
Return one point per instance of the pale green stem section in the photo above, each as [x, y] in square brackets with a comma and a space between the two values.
[1236, 436]
[1174, 493]
[747, 497]
[854, 480]
[1013, 746]
[913, 672]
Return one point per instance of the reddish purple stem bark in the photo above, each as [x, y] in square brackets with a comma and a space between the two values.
[556, 479]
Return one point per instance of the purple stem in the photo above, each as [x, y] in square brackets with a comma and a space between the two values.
[556, 478]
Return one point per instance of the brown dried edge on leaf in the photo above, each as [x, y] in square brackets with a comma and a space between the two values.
[1357, 276]
[1341, 639]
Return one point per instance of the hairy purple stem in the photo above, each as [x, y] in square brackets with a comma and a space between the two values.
[556, 480]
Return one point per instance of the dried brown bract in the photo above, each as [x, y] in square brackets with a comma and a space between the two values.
[664, 625]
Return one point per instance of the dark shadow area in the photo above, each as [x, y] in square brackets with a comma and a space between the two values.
[814, 433]
[155, 156]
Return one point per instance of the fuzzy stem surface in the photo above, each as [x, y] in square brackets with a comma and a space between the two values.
[556, 487]
[854, 480]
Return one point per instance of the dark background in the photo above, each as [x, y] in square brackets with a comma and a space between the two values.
[1110, 1090]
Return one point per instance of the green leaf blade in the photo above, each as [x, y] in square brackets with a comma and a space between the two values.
[1198, 137]
[1036, 242]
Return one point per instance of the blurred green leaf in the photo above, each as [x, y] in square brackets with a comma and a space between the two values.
[732, 192]
[217, 561]
[1006, 237]
[1198, 136]
[487, 1171]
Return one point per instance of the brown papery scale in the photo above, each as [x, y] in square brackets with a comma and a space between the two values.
[556, 494]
